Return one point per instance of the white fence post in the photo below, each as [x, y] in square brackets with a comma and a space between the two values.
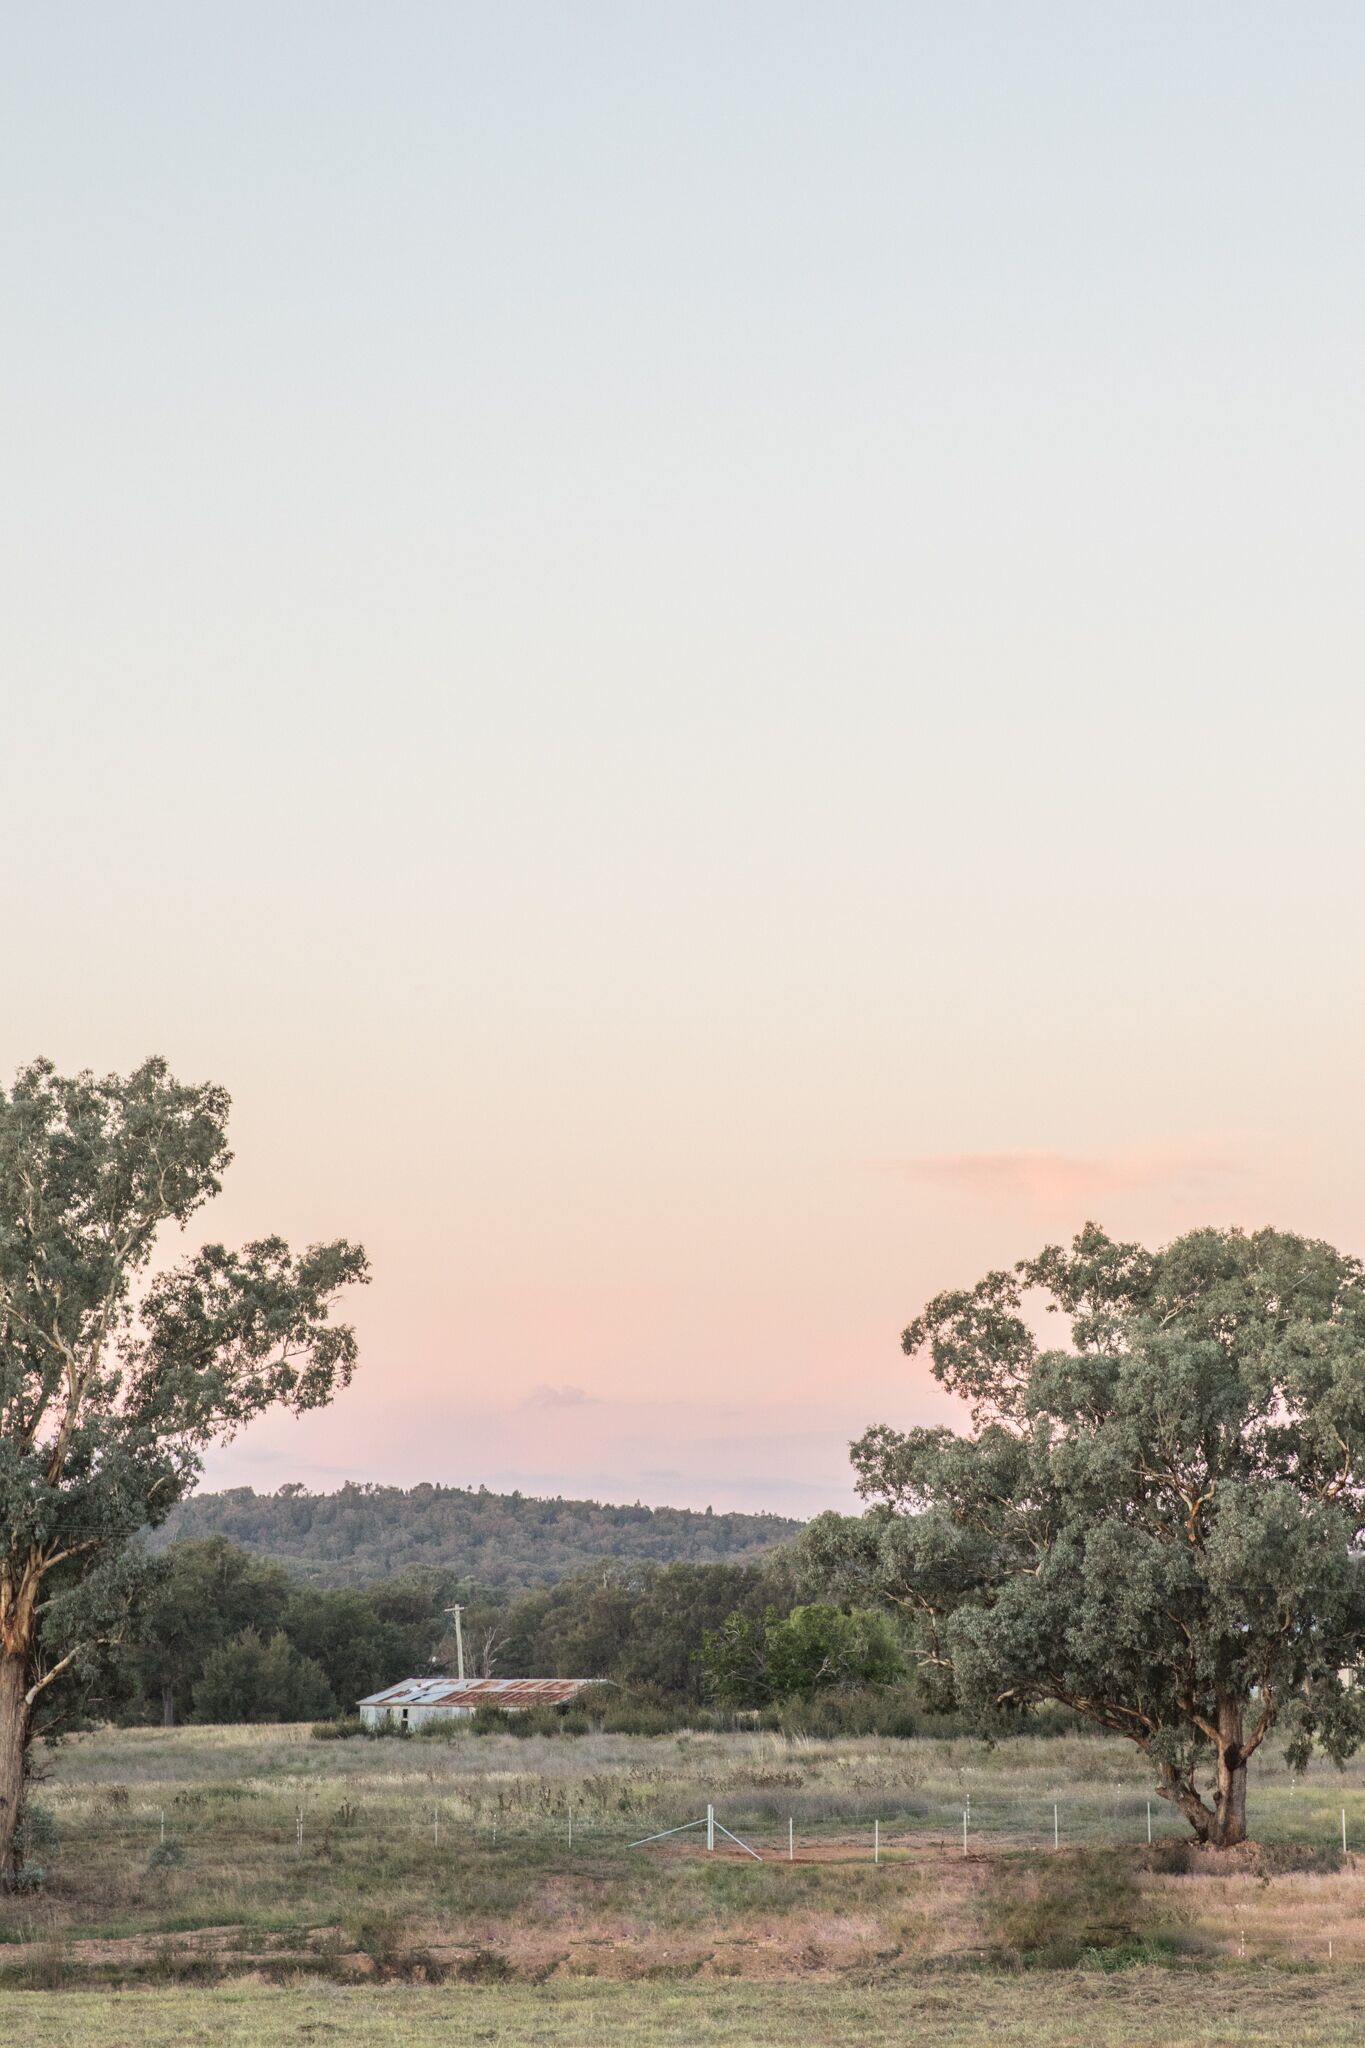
[710, 1827]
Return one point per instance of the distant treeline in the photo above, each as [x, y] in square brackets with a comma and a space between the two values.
[225, 1636]
[499, 1540]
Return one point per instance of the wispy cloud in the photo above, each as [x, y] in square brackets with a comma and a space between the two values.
[1044, 1179]
[546, 1396]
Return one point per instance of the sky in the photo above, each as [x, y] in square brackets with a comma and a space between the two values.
[712, 654]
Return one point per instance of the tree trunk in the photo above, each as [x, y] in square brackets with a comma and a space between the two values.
[1181, 1792]
[1224, 1824]
[13, 1744]
[168, 1706]
[1230, 1802]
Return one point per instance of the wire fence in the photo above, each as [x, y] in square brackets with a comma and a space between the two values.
[312, 1826]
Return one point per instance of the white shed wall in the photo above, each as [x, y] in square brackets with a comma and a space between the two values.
[375, 1717]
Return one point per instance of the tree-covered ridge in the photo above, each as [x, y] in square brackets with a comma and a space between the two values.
[224, 1636]
[363, 1533]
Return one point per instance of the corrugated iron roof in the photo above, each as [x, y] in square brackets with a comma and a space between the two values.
[479, 1692]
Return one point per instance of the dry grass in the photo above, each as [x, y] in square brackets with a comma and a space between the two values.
[1140, 2009]
[504, 1895]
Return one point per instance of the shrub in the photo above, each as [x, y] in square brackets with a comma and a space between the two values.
[339, 1730]
[382, 1936]
[629, 1719]
[1275, 1859]
[485, 1966]
[36, 1833]
[535, 1721]
[1169, 1858]
[1050, 1911]
[871, 1710]
[48, 1969]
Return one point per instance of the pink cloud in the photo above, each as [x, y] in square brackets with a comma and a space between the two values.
[1046, 1179]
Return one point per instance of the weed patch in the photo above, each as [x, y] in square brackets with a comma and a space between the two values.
[1053, 1912]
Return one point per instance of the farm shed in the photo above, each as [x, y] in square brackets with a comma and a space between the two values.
[415, 1700]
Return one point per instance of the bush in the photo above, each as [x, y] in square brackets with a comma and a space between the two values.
[49, 1969]
[485, 1966]
[1051, 1911]
[645, 1719]
[1169, 1858]
[534, 1721]
[35, 1837]
[382, 1935]
[871, 1710]
[37, 1828]
[338, 1730]
[1276, 1859]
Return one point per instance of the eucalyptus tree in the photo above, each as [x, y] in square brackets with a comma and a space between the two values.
[1153, 1522]
[117, 1370]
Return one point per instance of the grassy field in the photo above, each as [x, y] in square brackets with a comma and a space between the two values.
[1140, 2009]
[437, 1894]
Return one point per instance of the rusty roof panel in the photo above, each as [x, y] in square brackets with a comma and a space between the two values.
[532, 1692]
[512, 1693]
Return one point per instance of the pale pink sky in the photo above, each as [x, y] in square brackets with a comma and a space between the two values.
[712, 656]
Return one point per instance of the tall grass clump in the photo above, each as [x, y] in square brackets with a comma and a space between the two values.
[339, 1730]
[1075, 1905]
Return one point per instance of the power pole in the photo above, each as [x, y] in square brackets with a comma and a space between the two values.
[456, 1612]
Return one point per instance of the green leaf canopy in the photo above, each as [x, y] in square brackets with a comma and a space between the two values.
[114, 1374]
[1155, 1523]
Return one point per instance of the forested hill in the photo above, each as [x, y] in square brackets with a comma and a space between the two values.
[364, 1533]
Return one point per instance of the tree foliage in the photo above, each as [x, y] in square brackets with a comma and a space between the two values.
[752, 1661]
[251, 1678]
[1153, 1523]
[641, 1626]
[201, 1597]
[114, 1373]
[361, 1534]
